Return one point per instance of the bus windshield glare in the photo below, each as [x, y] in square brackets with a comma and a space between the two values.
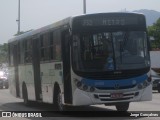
[110, 51]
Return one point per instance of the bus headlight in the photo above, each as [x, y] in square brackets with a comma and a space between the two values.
[145, 84]
[149, 79]
[92, 89]
[85, 87]
[82, 86]
[140, 86]
[78, 83]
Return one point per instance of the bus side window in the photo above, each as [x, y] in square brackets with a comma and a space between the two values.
[51, 46]
[28, 51]
[45, 46]
[19, 53]
[42, 47]
[22, 50]
[57, 45]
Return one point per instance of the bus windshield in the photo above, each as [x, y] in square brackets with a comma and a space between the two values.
[110, 51]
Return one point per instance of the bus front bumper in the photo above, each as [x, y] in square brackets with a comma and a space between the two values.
[87, 98]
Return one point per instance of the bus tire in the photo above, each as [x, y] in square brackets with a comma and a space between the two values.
[58, 100]
[25, 96]
[159, 90]
[6, 87]
[122, 106]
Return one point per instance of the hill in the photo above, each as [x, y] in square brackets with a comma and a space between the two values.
[151, 15]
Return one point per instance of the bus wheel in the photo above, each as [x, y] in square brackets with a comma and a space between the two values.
[25, 96]
[122, 106]
[58, 101]
[159, 90]
[6, 87]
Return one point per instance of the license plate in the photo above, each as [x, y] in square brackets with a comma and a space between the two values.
[116, 95]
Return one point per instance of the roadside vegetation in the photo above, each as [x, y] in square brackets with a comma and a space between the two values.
[154, 31]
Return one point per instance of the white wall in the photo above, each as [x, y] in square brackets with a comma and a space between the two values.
[155, 59]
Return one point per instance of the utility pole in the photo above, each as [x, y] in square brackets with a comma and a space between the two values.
[18, 21]
[84, 6]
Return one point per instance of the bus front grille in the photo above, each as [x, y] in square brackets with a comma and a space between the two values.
[107, 96]
[116, 99]
[112, 88]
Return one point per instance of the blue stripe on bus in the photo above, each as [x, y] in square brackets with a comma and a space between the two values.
[111, 83]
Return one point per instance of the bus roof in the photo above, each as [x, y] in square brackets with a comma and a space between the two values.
[61, 23]
[108, 13]
[41, 30]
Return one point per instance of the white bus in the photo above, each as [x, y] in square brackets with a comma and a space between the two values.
[89, 59]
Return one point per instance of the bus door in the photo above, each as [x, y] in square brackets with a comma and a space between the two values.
[15, 62]
[66, 67]
[36, 69]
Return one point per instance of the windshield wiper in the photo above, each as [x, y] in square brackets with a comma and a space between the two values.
[123, 44]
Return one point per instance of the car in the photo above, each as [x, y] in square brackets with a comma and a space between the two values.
[1, 83]
[4, 83]
[155, 80]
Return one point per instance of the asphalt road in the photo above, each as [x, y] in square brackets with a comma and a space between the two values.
[10, 103]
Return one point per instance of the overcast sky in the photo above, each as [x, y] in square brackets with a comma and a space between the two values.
[38, 13]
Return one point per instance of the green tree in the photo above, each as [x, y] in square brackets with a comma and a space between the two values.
[154, 31]
[4, 53]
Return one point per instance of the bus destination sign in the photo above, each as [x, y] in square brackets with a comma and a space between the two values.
[109, 22]
[91, 22]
